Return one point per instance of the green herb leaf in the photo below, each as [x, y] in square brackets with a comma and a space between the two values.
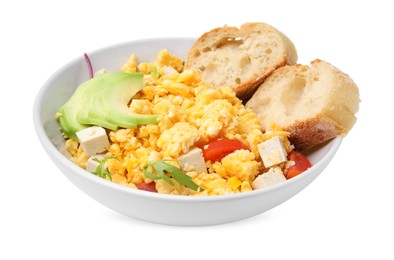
[161, 168]
[160, 173]
[101, 169]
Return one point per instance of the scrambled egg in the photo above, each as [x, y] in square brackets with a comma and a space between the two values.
[191, 114]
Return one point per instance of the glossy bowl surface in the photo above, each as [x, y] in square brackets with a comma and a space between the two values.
[153, 207]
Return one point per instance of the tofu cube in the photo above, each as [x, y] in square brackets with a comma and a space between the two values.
[168, 70]
[272, 177]
[93, 140]
[91, 164]
[193, 161]
[272, 152]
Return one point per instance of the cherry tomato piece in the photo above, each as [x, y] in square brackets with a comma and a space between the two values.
[147, 186]
[219, 148]
[301, 164]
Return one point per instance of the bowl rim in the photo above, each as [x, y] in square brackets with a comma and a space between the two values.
[74, 169]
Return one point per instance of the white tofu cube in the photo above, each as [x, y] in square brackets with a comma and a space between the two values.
[93, 140]
[272, 177]
[168, 70]
[91, 164]
[193, 161]
[272, 152]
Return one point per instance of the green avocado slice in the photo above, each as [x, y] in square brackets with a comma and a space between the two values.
[90, 113]
[115, 101]
[68, 113]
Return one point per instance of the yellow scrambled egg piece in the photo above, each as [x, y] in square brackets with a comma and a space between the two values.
[178, 139]
[241, 164]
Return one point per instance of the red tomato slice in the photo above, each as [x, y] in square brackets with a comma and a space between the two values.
[218, 149]
[301, 164]
[147, 186]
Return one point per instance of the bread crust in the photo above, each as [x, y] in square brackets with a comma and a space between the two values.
[246, 90]
[214, 39]
[313, 131]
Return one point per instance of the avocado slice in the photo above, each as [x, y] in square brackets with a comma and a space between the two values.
[115, 101]
[68, 113]
[109, 101]
[103, 101]
[90, 113]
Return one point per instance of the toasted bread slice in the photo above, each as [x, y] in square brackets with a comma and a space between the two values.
[314, 103]
[240, 58]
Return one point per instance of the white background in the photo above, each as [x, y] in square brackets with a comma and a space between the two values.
[346, 213]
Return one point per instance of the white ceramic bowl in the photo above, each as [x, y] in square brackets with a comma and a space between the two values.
[154, 207]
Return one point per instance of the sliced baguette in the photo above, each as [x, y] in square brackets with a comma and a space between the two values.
[240, 58]
[314, 103]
